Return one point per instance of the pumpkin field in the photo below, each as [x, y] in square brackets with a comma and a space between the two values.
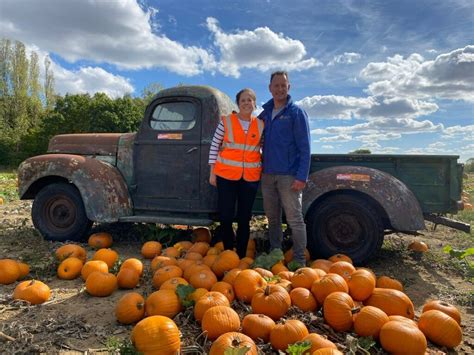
[172, 289]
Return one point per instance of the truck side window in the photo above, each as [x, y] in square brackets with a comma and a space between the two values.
[173, 116]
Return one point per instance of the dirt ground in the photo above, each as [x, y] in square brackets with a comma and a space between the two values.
[73, 322]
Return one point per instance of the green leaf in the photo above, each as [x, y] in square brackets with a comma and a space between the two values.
[294, 265]
[237, 351]
[366, 342]
[266, 261]
[183, 292]
[467, 252]
[298, 348]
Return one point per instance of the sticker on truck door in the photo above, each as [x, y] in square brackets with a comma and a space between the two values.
[178, 136]
[353, 177]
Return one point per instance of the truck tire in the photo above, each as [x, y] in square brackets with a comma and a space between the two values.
[344, 224]
[58, 213]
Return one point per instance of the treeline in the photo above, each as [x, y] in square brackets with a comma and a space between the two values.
[31, 112]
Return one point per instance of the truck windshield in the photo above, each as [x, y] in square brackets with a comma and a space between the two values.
[173, 116]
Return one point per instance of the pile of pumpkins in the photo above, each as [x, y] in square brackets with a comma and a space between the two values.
[211, 278]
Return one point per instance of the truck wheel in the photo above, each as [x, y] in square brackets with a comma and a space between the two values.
[344, 224]
[58, 213]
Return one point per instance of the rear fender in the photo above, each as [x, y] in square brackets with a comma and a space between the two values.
[398, 202]
[102, 187]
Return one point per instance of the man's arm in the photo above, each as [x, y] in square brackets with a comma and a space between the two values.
[302, 138]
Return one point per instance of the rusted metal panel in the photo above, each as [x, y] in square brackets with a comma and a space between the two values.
[102, 187]
[125, 156]
[395, 197]
[85, 143]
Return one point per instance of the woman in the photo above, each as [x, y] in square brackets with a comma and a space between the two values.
[236, 167]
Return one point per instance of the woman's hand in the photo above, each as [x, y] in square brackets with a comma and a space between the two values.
[212, 179]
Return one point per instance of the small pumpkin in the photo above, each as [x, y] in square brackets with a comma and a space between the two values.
[369, 321]
[151, 249]
[327, 284]
[440, 328]
[93, 265]
[200, 248]
[191, 255]
[361, 284]
[303, 299]
[101, 284]
[304, 277]
[340, 257]
[264, 272]
[33, 291]
[165, 273]
[343, 268]
[287, 332]
[444, 307]
[194, 269]
[418, 246]
[226, 261]
[128, 278]
[130, 308]
[218, 320]
[289, 254]
[156, 335]
[70, 268]
[204, 278]
[402, 338]
[69, 250]
[388, 282]
[173, 283]
[233, 342]
[258, 326]
[109, 256]
[162, 261]
[134, 264]
[24, 270]
[208, 300]
[9, 271]
[247, 283]
[322, 264]
[225, 288]
[163, 303]
[230, 276]
[318, 342]
[273, 301]
[278, 267]
[338, 308]
[100, 240]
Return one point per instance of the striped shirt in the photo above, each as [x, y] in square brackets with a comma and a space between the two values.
[219, 138]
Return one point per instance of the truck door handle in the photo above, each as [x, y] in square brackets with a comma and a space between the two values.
[191, 150]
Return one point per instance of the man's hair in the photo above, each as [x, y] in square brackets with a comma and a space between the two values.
[280, 72]
[247, 90]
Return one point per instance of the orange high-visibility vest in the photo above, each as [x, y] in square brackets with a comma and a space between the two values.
[240, 153]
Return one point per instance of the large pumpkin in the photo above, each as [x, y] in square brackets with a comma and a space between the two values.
[233, 342]
[156, 335]
[444, 307]
[163, 303]
[369, 321]
[286, 333]
[388, 282]
[130, 308]
[33, 291]
[392, 302]
[361, 284]
[218, 320]
[226, 261]
[101, 284]
[402, 338]
[327, 284]
[304, 277]
[9, 271]
[258, 326]
[338, 308]
[273, 301]
[440, 328]
[247, 283]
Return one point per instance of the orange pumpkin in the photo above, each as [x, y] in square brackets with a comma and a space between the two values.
[165, 273]
[204, 278]
[226, 261]
[151, 249]
[173, 283]
[225, 288]
[183, 245]
[343, 268]
[418, 246]
[327, 284]
[402, 319]
[196, 295]
[273, 301]
[127, 278]
[156, 335]
[247, 283]
[194, 269]
[130, 308]
[318, 342]
[24, 270]
[392, 302]
[278, 267]
[9, 271]
[444, 307]
[304, 277]
[258, 326]
[69, 250]
[100, 240]
[210, 299]
[338, 308]
[340, 257]
[162, 261]
[191, 255]
[163, 303]
[233, 342]
[321, 264]
[109, 256]
[440, 328]
[327, 351]
[200, 248]
[303, 299]
[388, 282]
[402, 338]
[369, 321]
[33, 291]
[202, 234]
[218, 320]
[289, 255]
[101, 284]
[209, 259]
[286, 333]
[134, 264]
[93, 265]
[69, 268]
[361, 284]
[231, 275]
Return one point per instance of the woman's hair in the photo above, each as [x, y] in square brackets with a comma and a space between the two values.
[247, 90]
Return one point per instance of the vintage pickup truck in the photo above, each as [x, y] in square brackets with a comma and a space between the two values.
[160, 175]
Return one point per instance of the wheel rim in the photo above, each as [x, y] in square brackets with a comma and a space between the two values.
[60, 213]
[344, 231]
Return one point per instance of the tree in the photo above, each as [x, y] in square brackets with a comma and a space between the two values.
[469, 166]
[361, 151]
[35, 106]
[49, 95]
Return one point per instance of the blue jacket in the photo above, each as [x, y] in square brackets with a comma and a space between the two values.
[286, 145]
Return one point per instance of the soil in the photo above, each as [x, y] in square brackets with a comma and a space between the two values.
[72, 322]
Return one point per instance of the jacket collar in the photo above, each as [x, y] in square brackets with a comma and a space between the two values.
[270, 104]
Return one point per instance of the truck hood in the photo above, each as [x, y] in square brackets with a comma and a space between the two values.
[85, 144]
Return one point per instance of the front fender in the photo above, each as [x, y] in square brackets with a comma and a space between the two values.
[102, 187]
[399, 203]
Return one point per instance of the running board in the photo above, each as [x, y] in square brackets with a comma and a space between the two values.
[168, 220]
[465, 227]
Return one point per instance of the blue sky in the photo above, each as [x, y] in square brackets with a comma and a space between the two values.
[393, 76]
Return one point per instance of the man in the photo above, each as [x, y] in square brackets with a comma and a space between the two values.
[286, 159]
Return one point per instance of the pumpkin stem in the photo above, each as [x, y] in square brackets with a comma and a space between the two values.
[267, 290]
[355, 310]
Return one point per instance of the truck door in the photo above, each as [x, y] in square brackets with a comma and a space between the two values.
[167, 156]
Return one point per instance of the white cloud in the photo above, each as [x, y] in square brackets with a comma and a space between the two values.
[448, 76]
[260, 49]
[115, 32]
[375, 137]
[326, 146]
[339, 138]
[349, 107]
[346, 58]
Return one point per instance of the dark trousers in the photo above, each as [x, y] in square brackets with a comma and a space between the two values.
[231, 192]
